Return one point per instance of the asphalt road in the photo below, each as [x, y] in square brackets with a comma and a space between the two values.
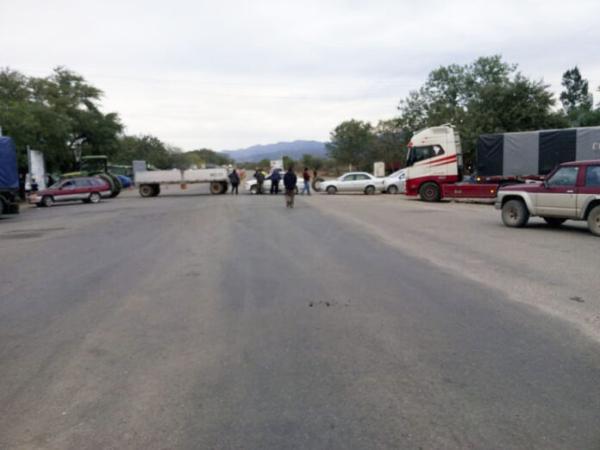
[199, 321]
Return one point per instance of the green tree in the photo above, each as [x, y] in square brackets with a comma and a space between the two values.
[576, 96]
[577, 101]
[351, 143]
[390, 142]
[486, 96]
[312, 162]
[59, 115]
[210, 157]
[146, 148]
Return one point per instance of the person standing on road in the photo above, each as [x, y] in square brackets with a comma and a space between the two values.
[306, 176]
[260, 179]
[234, 179]
[275, 178]
[289, 181]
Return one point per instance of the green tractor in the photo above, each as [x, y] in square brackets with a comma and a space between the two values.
[97, 165]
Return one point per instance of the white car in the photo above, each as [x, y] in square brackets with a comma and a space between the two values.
[353, 182]
[252, 186]
[395, 183]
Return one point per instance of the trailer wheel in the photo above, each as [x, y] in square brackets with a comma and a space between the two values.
[554, 221]
[594, 220]
[146, 190]
[430, 192]
[515, 214]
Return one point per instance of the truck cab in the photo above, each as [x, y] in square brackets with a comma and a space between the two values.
[434, 158]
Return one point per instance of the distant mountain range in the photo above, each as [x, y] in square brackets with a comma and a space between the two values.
[294, 150]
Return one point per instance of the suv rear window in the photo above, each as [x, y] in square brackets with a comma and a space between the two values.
[592, 176]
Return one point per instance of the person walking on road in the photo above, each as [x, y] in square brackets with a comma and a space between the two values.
[260, 179]
[275, 178]
[306, 176]
[289, 181]
[234, 179]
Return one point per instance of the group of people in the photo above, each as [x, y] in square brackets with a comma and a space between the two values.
[289, 182]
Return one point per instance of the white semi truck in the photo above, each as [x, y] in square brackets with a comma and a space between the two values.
[149, 182]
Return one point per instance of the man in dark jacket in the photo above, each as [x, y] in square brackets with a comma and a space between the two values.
[275, 178]
[234, 179]
[289, 181]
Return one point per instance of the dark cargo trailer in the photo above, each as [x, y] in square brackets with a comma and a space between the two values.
[534, 153]
[9, 177]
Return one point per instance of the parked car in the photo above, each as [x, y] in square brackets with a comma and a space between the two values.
[570, 192]
[86, 189]
[252, 186]
[354, 182]
[395, 183]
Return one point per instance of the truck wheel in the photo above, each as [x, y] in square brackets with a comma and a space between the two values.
[369, 190]
[47, 201]
[215, 187]
[594, 220]
[146, 190]
[155, 190]
[224, 187]
[393, 189]
[331, 190]
[430, 192]
[515, 214]
[554, 221]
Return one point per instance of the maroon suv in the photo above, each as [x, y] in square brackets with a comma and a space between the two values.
[570, 192]
[86, 189]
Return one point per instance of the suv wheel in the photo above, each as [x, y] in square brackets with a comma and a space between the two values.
[515, 214]
[554, 221]
[594, 220]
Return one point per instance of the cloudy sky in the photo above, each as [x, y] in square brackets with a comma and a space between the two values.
[229, 74]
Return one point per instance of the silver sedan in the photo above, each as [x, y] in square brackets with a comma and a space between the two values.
[353, 182]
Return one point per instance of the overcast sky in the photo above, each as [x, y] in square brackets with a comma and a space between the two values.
[230, 74]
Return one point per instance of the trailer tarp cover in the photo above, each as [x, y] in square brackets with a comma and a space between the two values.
[556, 147]
[490, 154]
[521, 154]
[9, 177]
[588, 143]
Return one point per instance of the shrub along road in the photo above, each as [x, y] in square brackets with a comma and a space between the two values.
[220, 322]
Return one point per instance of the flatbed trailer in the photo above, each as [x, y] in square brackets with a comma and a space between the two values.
[149, 182]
